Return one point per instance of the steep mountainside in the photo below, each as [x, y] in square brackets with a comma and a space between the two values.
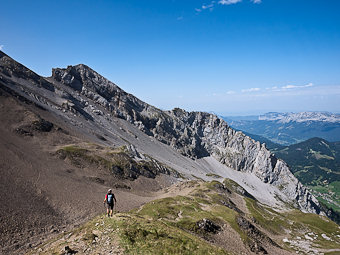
[269, 144]
[193, 134]
[290, 128]
[76, 132]
[53, 176]
[316, 163]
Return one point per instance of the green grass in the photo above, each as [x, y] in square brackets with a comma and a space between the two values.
[235, 187]
[181, 214]
[165, 226]
[331, 191]
[298, 223]
[197, 178]
[335, 186]
[204, 203]
[169, 225]
[332, 253]
[142, 236]
[319, 155]
[314, 222]
[76, 154]
[318, 225]
[316, 163]
[267, 218]
[116, 160]
[213, 175]
[74, 150]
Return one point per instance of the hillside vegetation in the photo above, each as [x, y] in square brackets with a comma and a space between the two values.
[316, 163]
[203, 218]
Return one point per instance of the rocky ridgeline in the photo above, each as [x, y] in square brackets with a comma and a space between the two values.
[193, 134]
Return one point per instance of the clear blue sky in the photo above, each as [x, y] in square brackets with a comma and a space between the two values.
[230, 57]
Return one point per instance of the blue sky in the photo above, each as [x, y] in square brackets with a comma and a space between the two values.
[230, 57]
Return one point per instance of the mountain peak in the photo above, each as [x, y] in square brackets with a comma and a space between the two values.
[95, 124]
[85, 80]
[195, 135]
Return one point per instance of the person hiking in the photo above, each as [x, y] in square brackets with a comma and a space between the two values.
[110, 200]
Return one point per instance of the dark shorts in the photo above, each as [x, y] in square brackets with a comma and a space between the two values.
[109, 206]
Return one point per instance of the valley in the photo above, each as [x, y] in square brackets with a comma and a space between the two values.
[289, 128]
[316, 163]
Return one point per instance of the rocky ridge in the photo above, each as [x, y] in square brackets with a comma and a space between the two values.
[193, 134]
[195, 217]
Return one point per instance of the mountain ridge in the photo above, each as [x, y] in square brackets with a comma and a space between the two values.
[194, 134]
[97, 135]
[179, 129]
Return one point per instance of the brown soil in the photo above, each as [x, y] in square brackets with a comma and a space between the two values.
[41, 194]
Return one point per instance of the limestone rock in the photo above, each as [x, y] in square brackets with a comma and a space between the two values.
[193, 134]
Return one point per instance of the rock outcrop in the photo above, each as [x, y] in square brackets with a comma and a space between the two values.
[193, 134]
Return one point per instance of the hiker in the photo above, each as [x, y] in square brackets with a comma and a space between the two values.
[110, 200]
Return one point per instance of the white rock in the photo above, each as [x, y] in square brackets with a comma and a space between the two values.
[309, 238]
[326, 237]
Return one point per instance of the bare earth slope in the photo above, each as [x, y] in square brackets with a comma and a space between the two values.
[42, 193]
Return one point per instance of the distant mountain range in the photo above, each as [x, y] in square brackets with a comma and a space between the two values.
[301, 117]
[289, 128]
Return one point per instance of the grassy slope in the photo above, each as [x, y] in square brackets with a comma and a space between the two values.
[119, 161]
[170, 226]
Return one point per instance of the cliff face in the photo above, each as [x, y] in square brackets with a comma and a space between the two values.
[193, 134]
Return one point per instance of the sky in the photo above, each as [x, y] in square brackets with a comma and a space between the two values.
[230, 57]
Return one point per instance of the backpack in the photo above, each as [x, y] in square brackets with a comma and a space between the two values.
[110, 198]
